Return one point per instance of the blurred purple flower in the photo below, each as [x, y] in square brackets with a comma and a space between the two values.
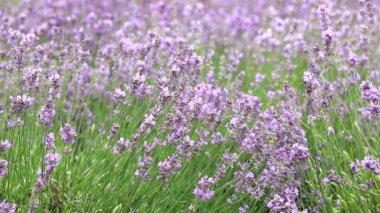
[68, 133]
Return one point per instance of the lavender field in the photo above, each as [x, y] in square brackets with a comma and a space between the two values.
[189, 106]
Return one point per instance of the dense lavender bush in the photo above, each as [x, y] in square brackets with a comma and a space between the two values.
[189, 106]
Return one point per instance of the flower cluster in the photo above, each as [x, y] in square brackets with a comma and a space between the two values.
[4, 146]
[203, 191]
[169, 167]
[7, 207]
[20, 104]
[371, 94]
[368, 163]
[68, 133]
[3, 167]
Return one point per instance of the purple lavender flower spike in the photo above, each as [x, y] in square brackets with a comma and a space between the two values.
[68, 133]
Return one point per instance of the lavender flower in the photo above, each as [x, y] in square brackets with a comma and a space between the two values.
[68, 133]
[144, 164]
[169, 167]
[121, 146]
[243, 209]
[12, 123]
[119, 95]
[54, 81]
[216, 138]
[49, 141]
[330, 130]
[51, 162]
[4, 145]
[310, 81]
[20, 104]
[203, 191]
[369, 92]
[140, 88]
[6, 207]
[355, 167]
[186, 147]
[370, 164]
[47, 113]
[31, 79]
[282, 204]
[114, 130]
[300, 151]
[370, 112]
[3, 167]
